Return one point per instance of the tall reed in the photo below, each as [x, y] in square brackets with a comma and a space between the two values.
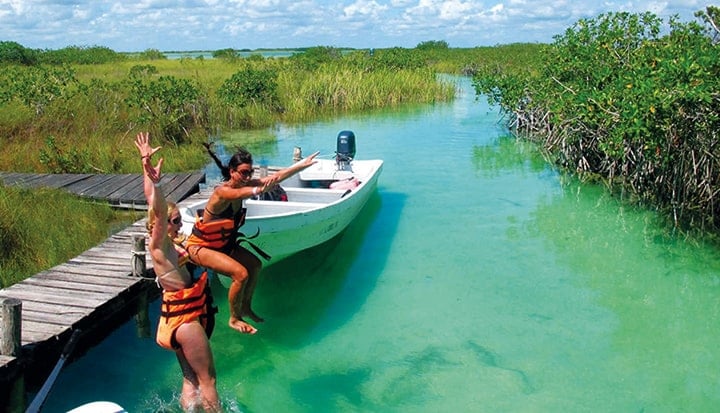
[89, 117]
[57, 227]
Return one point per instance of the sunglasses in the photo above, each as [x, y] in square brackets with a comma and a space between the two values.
[246, 173]
[177, 220]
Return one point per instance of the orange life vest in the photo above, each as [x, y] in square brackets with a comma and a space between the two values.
[185, 306]
[221, 233]
[218, 232]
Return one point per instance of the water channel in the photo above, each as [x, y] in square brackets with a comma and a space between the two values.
[478, 278]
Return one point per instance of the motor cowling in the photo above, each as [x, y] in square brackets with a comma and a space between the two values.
[345, 149]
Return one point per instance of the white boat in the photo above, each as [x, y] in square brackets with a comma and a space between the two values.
[315, 210]
[98, 407]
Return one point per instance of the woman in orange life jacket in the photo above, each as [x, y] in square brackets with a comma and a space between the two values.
[214, 244]
[187, 314]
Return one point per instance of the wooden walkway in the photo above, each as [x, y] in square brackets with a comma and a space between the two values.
[94, 292]
[119, 190]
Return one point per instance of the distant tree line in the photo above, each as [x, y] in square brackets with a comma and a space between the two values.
[15, 53]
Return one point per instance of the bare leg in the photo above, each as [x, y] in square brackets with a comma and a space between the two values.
[253, 266]
[224, 264]
[190, 396]
[236, 320]
[198, 366]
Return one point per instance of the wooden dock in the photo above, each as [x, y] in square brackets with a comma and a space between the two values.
[118, 190]
[94, 292]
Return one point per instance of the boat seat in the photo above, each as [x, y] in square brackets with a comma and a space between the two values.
[313, 195]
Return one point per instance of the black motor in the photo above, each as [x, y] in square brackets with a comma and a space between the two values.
[345, 149]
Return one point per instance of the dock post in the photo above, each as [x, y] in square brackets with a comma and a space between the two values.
[297, 154]
[10, 314]
[139, 267]
[138, 256]
[10, 345]
[142, 316]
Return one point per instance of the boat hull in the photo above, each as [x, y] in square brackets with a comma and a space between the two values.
[312, 215]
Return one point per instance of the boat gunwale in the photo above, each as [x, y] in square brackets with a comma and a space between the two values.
[373, 174]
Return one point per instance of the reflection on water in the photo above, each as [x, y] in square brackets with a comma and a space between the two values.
[477, 278]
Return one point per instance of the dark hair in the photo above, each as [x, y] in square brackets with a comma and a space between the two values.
[240, 157]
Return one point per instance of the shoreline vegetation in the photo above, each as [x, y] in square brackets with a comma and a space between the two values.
[622, 99]
[629, 101]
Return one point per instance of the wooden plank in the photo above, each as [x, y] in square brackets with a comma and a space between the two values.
[93, 279]
[74, 285]
[71, 269]
[89, 185]
[110, 186]
[56, 181]
[175, 187]
[51, 317]
[110, 253]
[188, 185]
[9, 178]
[124, 190]
[124, 186]
[33, 337]
[134, 195]
[118, 264]
[59, 309]
[50, 292]
[29, 295]
[114, 247]
[20, 179]
[114, 256]
[137, 228]
[33, 328]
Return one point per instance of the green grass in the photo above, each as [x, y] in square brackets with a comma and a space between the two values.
[42, 228]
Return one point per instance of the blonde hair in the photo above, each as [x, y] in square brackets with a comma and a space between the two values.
[171, 207]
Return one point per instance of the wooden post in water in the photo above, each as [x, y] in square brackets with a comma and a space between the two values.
[142, 316]
[10, 314]
[10, 345]
[139, 268]
[138, 256]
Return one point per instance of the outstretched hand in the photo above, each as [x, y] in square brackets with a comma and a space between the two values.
[305, 162]
[142, 142]
[268, 182]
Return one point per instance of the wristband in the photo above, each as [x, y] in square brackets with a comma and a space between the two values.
[156, 184]
[255, 190]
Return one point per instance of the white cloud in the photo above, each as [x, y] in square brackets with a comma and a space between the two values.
[211, 24]
[364, 9]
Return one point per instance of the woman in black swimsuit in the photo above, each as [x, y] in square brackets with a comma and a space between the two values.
[213, 242]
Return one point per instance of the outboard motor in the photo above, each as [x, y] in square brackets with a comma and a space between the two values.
[345, 149]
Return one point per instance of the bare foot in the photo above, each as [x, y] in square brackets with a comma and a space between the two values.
[241, 326]
[248, 312]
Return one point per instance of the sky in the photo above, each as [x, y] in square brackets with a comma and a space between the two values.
[191, 25]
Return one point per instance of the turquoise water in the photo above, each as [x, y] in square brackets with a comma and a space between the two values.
[476, 279]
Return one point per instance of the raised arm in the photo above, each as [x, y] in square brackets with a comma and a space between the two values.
[142, 142]
[156, 200]
[291, 170]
